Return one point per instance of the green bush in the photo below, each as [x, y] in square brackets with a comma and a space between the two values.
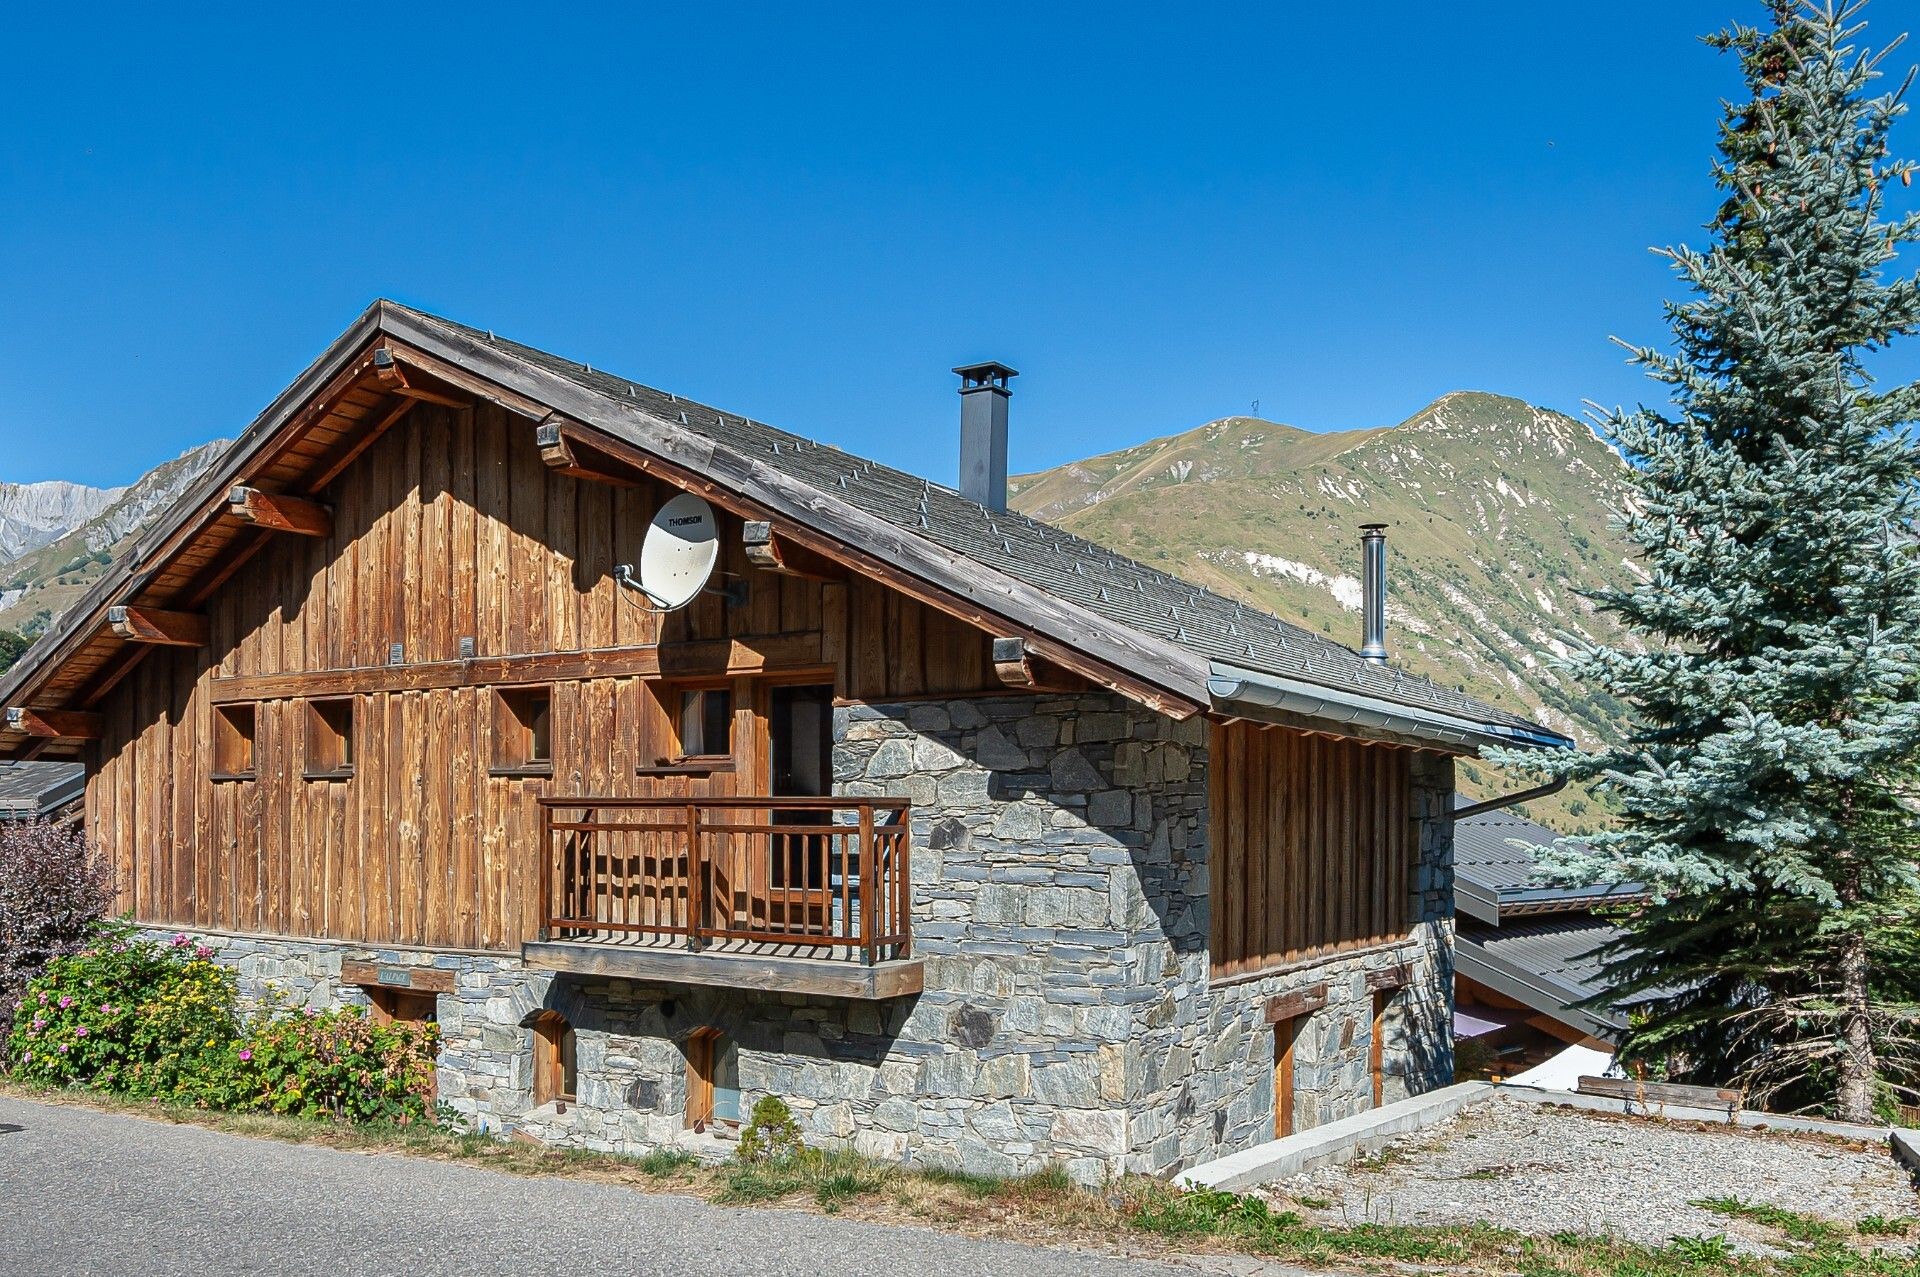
[771, 1134]
[159, 1021]
[153, 1021]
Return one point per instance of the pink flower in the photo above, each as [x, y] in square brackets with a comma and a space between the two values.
[180, 940]
[80, 1032]
[245, 1054]
[39, 1024]
[63, 1048]
[203, 951]
[106, 1008]
[65, 1002]
[26, 1057]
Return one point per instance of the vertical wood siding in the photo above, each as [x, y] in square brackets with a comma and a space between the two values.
[448, 527]
[1312, 845]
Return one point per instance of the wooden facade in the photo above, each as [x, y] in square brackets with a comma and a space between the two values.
[457, 564]
[1313, 846]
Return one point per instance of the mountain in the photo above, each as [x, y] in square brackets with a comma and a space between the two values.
[33, 514]
[1497, 515]
[74, 543]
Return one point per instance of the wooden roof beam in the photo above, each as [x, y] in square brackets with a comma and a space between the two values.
[768, 549]
[162, 629]
[277, 512]
[1017, 666]
[391, 377]
[54, 724]
[566, 447]
[146, 625]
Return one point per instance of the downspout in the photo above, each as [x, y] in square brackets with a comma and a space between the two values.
[1508, 800]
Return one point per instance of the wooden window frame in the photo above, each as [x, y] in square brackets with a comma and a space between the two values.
[704, 1049]
[556, 1060]
[672, 696]
[410, 1006]
[330, 744]
[521, 715]
[235, 741]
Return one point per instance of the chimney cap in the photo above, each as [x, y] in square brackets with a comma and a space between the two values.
[989, 375]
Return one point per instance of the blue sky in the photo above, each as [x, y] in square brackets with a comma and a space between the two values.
[1159, 214]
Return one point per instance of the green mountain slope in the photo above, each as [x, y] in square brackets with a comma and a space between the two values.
[1496, 514]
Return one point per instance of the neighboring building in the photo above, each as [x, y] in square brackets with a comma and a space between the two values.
[1525, 949]
[41, 791]
[973, 841]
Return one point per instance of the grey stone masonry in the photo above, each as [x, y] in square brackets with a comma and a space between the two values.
[1060, 905]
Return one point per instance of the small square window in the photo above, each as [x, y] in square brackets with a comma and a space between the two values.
[233, 732]
[705, 722]
[330, 739]
[523, 731]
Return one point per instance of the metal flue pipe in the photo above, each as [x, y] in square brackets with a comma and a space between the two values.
[1373, 592]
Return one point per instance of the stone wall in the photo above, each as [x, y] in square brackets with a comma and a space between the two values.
[1060, 908]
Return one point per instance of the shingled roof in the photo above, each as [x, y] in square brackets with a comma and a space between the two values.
[1154, 630]
[1110, 585]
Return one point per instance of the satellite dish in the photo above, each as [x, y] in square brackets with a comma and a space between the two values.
[679, 554]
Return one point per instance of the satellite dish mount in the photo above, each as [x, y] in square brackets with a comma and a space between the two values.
[678, 558]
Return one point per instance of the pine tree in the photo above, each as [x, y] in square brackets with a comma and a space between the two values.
[1764, 791]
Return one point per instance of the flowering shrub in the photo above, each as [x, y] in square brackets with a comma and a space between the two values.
[158, 1021]
[338, 1064]
[54, 888]
[128, 1015]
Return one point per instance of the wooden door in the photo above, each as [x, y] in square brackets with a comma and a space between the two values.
[1286, 1034]
[799, 866]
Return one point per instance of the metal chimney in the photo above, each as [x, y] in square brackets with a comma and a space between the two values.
[983, 433]
[1373, 592]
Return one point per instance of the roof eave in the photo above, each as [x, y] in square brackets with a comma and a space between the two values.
[1233, 689]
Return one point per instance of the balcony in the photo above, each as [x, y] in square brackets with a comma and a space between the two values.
[795, 895]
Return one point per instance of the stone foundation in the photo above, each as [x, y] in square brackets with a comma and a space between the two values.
[1060, 907]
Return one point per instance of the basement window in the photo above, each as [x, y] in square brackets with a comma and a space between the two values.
[233, 731]
[713, 1079]
[330, 739]
[523, 731]
[556, 1068]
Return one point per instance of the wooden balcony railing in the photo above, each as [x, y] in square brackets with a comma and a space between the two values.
[827, 877]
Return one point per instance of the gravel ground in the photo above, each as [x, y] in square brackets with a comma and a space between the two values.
[1542, 1170]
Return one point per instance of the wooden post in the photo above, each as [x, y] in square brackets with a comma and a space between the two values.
[903, 920]
[696, 878]
[549, 858]
[869, 862]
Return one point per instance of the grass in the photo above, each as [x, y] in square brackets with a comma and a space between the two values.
[1135, 1215]
[1799, 1227]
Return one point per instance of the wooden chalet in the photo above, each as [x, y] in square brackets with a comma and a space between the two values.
[961, 833]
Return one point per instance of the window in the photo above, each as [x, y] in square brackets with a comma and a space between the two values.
[556, 1073]
[523, 731]
[705, 722]
[233, 742]
[330, 739]
[713, 1079]
[409, 1006]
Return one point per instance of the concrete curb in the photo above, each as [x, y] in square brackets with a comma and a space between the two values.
[1685, 1113]
[1906, 1148]
[1334, 1143]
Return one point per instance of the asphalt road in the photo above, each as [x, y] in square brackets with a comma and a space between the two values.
[84, 1193]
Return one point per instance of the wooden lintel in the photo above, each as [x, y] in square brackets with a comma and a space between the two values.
[1299, 1002]
[768, 549]
[1386, 979]
[54, 724]
[163, 629]
[278, 512]
[384, 976]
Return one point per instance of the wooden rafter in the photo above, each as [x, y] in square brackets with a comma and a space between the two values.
[566, 447]
[387, 372]
[54, 724]
[768, 549]
[152, 625]
[277, 512]
[1016, 666]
